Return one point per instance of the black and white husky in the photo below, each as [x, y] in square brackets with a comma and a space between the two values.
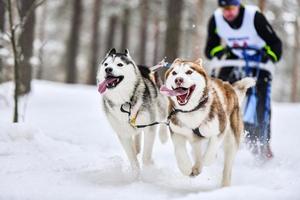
[121, 81]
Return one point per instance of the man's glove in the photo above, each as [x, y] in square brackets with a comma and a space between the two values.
[264, 56]
[267, 55]
[220, 54]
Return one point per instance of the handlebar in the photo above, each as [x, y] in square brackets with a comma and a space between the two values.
[217, 64]
[246, 52]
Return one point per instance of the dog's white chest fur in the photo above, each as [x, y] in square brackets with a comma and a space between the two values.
[193, 119]
[198, 119]
[120, 121]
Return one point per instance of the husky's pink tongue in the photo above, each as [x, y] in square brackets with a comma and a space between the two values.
[102, 86]
[168, 92]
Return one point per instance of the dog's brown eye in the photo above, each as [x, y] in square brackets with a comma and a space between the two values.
[189, 72]
[120, 65]
[105, 64]
[174, 73]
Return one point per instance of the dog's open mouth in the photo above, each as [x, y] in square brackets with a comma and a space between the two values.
[182, 94]
[112, 81]
[109, 83]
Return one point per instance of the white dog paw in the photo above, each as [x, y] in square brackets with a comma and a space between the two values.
[225, 183]
[186, 170]
[135, 173]
[195, 171]
[148, 162]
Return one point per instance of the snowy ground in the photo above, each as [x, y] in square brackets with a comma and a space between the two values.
[67, 150]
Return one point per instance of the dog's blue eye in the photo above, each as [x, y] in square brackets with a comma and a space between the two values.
[120, 65]
[174, 73]
[105, 64]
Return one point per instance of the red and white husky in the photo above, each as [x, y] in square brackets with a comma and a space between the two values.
[204, 108]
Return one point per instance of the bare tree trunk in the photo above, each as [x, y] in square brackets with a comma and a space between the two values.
[173, 33]
[262, 5]
[156, 40]
[295, 71]
[2, 16]
[16, 61]
[73, 42]
[173, 29]
[125, 28]
[42, 35]
[26, 44]
[198, 36]
[143, 31]
[94, 54]
[111, 32]
[2, 30]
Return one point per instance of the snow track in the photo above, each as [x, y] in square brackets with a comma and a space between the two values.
[67, 150]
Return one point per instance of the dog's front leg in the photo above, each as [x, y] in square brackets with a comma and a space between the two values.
[149, 137]
[161, 116]
[230, 149]
[197, 168]
[182, 157]
[128, 145]
[211, 151]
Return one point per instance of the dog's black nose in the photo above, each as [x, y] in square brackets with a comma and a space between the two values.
[178, 81]
[108, 70]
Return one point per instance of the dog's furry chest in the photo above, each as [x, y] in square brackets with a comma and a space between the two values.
[184, 123]
[120, 120]
[192, 120]
[206, 123]
[142, 117]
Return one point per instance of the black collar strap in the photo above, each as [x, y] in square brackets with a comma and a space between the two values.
[197, 132]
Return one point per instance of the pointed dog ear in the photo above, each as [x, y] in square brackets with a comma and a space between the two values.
[177, 60]
[112, 51]
[199, 61]
[126, 51]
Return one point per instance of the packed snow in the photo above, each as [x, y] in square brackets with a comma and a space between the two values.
[65, 149]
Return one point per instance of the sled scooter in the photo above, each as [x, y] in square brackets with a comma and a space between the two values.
[250, 66]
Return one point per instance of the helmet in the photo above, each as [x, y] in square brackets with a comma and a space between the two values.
[224, 3]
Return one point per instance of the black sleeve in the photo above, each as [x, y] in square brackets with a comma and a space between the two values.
[213, 38]
[266, 32]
